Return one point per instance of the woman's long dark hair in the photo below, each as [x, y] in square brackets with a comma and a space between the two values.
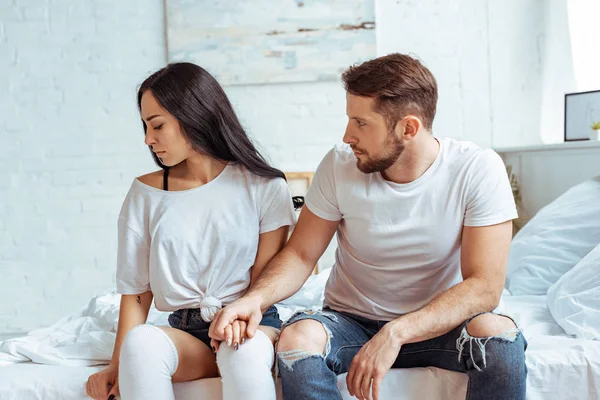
[208, 122]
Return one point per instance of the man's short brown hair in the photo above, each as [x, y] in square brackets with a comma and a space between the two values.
[400, 85]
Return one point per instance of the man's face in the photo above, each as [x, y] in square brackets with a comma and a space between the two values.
[375, 146]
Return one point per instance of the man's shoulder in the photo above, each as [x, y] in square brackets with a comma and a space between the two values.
[465, 154]
[472, 162]
[341, 154]
[460, 149]
[339, 162]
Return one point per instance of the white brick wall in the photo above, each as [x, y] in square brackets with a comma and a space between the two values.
[451, 39]
[295, 123]
[71, 143]
[71, 139]
[486, 56]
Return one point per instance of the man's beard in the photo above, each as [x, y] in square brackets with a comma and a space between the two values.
[393, 148]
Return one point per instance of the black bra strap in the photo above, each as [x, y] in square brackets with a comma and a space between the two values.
[166, 179]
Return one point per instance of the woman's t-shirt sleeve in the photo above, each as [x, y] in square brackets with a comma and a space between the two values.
[133, 251]
[276, 207]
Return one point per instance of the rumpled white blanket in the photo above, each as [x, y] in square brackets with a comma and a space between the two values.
[87, 337]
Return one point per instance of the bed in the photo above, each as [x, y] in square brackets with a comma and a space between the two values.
[563, 361]
[560, 366]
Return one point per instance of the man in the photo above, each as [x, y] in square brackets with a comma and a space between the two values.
[424, 229]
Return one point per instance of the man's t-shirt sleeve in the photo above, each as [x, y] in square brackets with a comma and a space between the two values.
[321, 198]
[490, 199]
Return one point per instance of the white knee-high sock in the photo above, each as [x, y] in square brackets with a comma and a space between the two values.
[246, 373]
[148, 360]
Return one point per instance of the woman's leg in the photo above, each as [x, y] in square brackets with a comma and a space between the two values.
[247, 372]
[152, 358]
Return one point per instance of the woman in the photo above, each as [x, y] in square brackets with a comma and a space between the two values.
[194, 236]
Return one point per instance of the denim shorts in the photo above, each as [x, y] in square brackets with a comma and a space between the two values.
[189, 320]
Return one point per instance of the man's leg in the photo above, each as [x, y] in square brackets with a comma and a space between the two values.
[314, 348]
[489, 348]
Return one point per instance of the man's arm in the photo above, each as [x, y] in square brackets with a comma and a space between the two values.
[484, 255]
[288, 270]
[283, 276]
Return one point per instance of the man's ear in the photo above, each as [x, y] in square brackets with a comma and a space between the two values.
[409, 126]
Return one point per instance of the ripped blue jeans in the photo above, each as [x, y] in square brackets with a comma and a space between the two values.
[495, 365]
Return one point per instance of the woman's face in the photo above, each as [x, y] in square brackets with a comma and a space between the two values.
[163, 132]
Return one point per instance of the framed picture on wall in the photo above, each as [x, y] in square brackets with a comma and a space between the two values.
[581, 111]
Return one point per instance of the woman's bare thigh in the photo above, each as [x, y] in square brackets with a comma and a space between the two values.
[272, 333]
[196, 359]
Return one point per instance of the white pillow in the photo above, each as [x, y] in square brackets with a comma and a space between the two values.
[574, 300]
[556, 239]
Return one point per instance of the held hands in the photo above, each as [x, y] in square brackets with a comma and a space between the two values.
[104, 384]
[235, 335]
[371, 363]
[236, 322]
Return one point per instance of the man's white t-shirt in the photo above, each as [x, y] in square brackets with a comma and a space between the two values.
[192, 245]
[399, 244]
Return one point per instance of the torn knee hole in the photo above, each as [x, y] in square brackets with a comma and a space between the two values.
[491, 325]
[291, 357]
[479, 343]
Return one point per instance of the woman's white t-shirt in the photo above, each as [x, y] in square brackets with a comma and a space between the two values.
[195, 248]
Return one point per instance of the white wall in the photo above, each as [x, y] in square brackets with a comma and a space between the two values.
[516, 36]
[557, 74]
[545, 172]
[487, 58]
[451, 39]
[296, 124]
[585, 36]
[71, 143]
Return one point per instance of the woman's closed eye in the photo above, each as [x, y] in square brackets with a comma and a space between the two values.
[159, 127]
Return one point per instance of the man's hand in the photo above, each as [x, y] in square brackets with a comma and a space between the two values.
[245, 309]
[235, 335]
[371, 363]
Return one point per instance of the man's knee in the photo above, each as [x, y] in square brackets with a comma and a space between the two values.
[489, 325]
[493, 341]
[308, 335]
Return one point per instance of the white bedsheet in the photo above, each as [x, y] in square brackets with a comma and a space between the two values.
[560, 367]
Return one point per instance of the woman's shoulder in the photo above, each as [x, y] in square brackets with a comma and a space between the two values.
[259, 181]
[153, 179]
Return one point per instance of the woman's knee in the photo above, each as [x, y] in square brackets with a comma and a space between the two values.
[257, 352]
[148, 345]
[308, 335]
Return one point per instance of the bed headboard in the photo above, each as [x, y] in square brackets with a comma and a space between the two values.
[545, 172]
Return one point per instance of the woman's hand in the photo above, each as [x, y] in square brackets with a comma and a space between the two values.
[245, 310]
[235, 335]
[103, 384]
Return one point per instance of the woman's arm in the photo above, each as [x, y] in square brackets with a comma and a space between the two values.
[269, 244]
[133, 312]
